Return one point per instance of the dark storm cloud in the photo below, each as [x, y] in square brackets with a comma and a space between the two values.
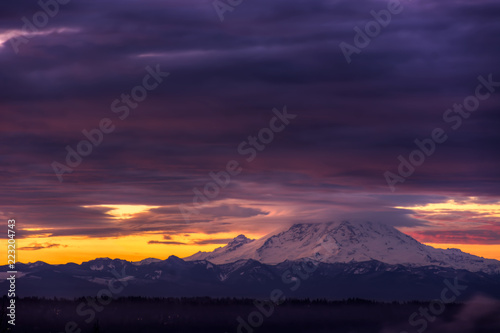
[232, 211]
[354, 120]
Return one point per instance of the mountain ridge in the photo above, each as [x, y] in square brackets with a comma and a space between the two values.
[175, 277]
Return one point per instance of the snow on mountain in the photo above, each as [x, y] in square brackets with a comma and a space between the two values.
[344, 242]
[227, 250]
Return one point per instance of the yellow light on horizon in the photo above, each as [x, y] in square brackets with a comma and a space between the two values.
[469, 205]
[36, 229]
[467, 214]
[486, 251]
[66, 249]
[123, 212]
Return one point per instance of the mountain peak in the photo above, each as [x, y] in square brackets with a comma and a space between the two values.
[240, 237]
[239, 241]
[236, 243]
[146, 261]
[343, 242]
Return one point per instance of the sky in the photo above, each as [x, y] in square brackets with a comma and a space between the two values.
[268, 102]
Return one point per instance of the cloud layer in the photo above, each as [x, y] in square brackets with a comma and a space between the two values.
[353, 121]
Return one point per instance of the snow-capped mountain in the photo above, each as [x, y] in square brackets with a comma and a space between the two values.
[364, 260]
[223, 252]
[345, 242]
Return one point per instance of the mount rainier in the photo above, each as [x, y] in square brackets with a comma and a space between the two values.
[363, 260]
[345, 242]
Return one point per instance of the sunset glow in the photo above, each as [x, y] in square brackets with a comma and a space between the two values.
[124, 211]
[119, 144]
[470, 204]
[188, 166]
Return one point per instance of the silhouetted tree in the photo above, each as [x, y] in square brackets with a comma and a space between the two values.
[3, 315]
[96, 328]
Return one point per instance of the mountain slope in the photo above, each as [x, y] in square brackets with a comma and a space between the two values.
[174, 277]
[365, 260]
[344, 242]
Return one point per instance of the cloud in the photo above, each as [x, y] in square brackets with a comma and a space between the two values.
[451, 236]
[40, 246]
[224, 211]
[224, 241]
[167, 243]
[354, 120]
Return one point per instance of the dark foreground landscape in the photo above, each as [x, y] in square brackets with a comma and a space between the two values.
[155, 315]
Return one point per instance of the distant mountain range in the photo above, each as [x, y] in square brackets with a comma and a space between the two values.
[332, 260]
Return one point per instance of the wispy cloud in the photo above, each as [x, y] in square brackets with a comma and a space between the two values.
[39, 246]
